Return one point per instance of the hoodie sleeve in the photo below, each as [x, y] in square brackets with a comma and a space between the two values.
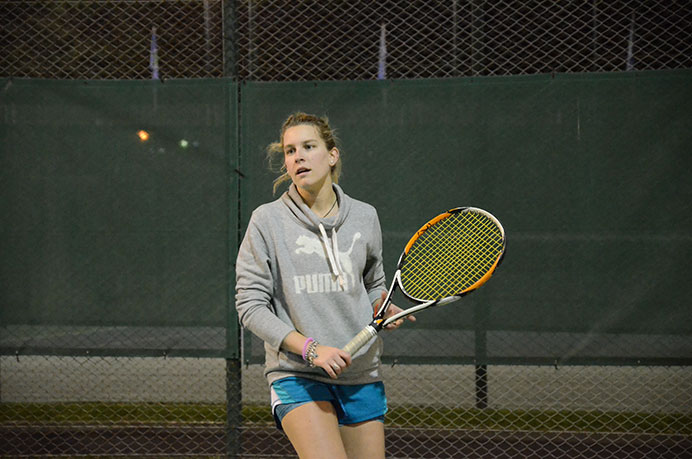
[373, 276]
[255, 288]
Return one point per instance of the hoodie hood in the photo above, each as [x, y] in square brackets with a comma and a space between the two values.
[325, 227]
[307, 217]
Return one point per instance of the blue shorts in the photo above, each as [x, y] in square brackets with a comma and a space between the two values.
[353, 404]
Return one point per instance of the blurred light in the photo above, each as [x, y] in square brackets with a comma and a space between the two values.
[143, 135]
[184, 143]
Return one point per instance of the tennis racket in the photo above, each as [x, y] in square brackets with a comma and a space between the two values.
[450, 256]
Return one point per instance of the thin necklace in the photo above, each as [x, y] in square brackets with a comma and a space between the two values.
[330, 209]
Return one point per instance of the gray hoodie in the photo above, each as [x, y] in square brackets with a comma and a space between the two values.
[296, 271]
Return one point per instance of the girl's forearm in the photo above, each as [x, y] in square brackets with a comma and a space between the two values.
[294, 342]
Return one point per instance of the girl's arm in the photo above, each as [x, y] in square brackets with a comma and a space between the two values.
[331, 359]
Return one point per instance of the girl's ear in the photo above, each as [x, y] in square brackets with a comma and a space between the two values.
[333, 156]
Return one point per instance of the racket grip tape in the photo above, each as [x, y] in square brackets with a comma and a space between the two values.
[360, 340]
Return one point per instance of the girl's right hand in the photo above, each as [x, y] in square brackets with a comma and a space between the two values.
[332, 360]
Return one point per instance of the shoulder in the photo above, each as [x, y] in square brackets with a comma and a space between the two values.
[362, 208]
[364, 214]
[263, 221]
[266, 212]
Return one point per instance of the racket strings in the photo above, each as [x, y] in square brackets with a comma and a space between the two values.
[451, 256]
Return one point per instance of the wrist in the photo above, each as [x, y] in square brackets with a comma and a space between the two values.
[305, 347]
[310, 351]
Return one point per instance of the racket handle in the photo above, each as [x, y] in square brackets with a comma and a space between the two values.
[360, 340]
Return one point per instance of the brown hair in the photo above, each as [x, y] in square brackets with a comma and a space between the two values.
[275, 150]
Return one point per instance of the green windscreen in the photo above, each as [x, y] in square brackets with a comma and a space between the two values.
[115, 216]
[589, 175]
[113, 242]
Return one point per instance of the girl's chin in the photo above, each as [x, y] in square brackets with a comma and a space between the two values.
[310, 186]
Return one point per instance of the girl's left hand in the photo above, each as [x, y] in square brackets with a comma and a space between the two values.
[392, 310]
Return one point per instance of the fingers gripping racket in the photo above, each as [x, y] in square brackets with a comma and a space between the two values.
[451, 255]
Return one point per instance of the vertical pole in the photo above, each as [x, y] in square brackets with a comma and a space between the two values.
[629, 65]
[230, 53]
[481, 387]
[481, 352]
[207, 40]
[455, 45]
[234, 415]
[594, 36]
[477, 48]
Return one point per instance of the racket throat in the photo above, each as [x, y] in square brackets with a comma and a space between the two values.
[414, 309]
[379, 314]
[377, 325]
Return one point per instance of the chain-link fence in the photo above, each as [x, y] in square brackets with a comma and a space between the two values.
[440, 39]
[111, 39]
[435, 411]
[115, 274]
[112, 406]
[115, 404]
[280, 40]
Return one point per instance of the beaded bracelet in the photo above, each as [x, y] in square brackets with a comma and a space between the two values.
[311, 353]
[305, 347]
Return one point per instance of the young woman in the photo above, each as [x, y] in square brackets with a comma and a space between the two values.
[309, 274]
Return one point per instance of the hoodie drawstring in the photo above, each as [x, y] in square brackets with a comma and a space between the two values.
[333, 254]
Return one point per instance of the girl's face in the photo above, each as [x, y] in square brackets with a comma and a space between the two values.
[307, 160]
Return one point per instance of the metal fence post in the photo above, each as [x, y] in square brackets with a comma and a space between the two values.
[481, 353]
[234, 415]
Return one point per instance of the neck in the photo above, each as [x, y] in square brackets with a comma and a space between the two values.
[321, 203]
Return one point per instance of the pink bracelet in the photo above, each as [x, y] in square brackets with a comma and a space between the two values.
[305, 347]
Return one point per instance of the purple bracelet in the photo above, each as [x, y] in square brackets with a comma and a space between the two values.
[305, 347]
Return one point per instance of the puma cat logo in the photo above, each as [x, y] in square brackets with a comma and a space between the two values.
[323, 282]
